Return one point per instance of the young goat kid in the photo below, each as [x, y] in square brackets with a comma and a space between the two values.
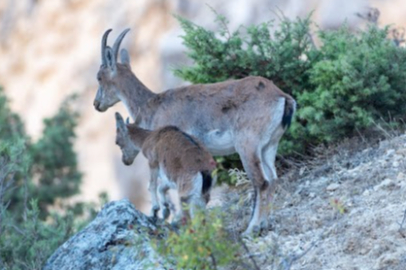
[177, 158]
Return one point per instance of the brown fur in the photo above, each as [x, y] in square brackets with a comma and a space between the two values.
[172, 152]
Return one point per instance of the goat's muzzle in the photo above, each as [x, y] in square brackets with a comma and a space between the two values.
[96, 105]
[127, 162]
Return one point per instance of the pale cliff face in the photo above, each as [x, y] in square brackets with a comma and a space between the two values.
[49, 49]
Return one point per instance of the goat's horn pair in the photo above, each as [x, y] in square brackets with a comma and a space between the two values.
[116, 46]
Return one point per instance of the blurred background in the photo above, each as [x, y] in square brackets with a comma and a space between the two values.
[50, 49]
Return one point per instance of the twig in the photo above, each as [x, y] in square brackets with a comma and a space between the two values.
[280, 16]
[403, 221]
[378, 126]
[213, 259]
[249, 254]
[220, 18]
[17, 229]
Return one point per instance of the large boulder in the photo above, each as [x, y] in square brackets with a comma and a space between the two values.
[118, 238]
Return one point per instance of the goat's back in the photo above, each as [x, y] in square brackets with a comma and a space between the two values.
[179, 153]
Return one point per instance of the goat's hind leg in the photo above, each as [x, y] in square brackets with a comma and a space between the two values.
[266, 194]
[197, 202]
[268, 155]
[251, 160]
[163, 199]
[163, 188]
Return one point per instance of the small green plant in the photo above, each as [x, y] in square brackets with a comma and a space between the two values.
[202, 243]
[338, 205]
[224, 164]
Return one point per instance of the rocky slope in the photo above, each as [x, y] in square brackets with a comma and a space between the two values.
[347, 212]
[344, 210]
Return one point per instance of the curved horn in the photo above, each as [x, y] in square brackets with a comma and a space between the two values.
[103, 47]
[116, 45]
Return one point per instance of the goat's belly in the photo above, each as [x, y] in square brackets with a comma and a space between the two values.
[220, 143]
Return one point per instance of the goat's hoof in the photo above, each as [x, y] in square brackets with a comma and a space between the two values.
[251, 232]
[154, 211]
[264, 228]
[153, 219]
[256, 231]
[166, 212]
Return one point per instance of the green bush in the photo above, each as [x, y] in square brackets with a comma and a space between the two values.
[358, 80]
[33, 177]
[255, 50]
[52, 163]
[27, 245]
[343, 87]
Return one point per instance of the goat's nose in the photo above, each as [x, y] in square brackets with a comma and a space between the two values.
[96, 104]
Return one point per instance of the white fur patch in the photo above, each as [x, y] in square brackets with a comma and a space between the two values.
[220, 143]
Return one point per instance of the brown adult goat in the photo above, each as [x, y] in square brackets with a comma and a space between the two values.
[247, 116]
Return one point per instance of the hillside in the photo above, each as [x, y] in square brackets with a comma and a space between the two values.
[344, 209]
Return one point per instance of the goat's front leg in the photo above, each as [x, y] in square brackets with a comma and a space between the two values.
[153, 189]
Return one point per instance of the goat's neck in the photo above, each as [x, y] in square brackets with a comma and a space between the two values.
[134, 94]
[138, 135]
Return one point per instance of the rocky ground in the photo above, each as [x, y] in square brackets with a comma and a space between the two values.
[343, 210]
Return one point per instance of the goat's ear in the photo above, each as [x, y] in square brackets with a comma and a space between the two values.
[127, 121]
[125, 58]
[109, 56]
[120, 125]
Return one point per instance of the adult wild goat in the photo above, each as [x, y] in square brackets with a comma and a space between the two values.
[247, 116]
[177, 158]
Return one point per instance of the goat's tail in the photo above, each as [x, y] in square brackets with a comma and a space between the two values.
[290, 108]
[207, 181]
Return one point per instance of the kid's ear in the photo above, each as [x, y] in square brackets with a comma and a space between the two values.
[120, 122]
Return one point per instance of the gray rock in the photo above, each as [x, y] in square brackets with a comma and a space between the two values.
[118, 238]
[332, 186]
